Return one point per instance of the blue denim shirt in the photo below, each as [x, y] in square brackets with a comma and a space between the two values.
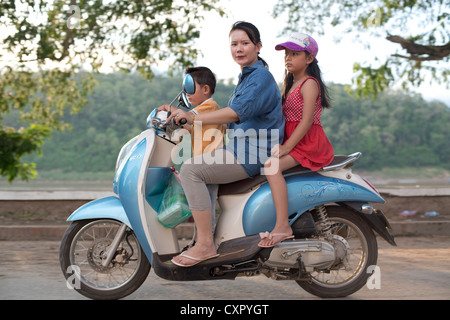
[257, 101]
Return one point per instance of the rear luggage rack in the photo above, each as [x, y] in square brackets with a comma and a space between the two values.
[346, 163]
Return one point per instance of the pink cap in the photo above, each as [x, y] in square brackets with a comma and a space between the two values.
[300, 42]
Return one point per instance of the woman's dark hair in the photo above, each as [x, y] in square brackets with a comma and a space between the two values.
[252, 32]
[312, 70]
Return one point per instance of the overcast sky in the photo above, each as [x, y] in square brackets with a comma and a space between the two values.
[336, 58]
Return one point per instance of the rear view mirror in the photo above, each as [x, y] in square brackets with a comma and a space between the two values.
[189, 84]
[184, 102]
[188, 88]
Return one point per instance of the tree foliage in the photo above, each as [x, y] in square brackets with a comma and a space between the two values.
[46, 44]
[396, 130]
[420, 27]
[116, 112]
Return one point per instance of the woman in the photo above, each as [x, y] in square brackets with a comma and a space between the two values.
[255, 123]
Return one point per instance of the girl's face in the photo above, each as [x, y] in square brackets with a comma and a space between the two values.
[243, 50]
[297, 61]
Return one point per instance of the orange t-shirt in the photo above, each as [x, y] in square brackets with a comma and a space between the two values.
[206, 138]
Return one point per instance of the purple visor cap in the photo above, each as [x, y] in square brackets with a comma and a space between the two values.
[300, 42]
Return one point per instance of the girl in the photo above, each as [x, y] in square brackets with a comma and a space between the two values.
[305, 142]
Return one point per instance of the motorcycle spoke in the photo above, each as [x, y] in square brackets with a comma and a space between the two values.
[89, 250]
[350, 266]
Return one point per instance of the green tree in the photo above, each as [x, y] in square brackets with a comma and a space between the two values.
[47, 43]
[420, 27]
[395, 130]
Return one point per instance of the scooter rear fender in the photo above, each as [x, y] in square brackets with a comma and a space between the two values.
[375, 218]
[104, 208]
[304, 192]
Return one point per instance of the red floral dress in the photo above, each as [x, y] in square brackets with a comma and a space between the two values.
[314, 150]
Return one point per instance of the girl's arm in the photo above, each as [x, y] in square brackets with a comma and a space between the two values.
[310, 93]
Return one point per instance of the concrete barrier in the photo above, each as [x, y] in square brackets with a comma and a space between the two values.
[63, 202]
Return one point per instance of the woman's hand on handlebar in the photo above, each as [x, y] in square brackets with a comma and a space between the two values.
[178, 115]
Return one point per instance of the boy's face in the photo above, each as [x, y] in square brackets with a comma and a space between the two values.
[202, 93]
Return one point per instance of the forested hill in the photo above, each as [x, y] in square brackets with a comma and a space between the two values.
[396, 130]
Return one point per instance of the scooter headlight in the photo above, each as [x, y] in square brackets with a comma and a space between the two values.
[125, 151]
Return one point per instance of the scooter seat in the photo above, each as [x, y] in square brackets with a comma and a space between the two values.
[243, 186]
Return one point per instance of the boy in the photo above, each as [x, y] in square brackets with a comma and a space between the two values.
[204, 138]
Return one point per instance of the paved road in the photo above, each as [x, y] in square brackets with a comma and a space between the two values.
[419, 268]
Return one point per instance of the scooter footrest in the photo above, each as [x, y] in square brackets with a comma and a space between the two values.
[238, 249]
[230, 253]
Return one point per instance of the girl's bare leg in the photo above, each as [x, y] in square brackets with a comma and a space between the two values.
[278, 188]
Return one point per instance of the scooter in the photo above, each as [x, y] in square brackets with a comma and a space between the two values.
[109, 247]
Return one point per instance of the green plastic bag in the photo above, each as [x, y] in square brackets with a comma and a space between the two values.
[174, 207]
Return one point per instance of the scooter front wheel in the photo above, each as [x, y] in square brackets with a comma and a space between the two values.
[83, 250]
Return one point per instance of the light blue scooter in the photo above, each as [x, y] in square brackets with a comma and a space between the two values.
[111, 244]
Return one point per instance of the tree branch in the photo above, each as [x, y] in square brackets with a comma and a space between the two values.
[420, 52]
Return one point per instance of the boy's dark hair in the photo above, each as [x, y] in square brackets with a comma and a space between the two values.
[203, 76]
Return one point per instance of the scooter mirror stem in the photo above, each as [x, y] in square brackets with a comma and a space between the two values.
[170, 104]
[188, 87]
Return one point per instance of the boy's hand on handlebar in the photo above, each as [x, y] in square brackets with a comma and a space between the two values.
[178, 115]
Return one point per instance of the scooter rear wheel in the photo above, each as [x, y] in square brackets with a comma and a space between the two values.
[83, 248]
[358, 251]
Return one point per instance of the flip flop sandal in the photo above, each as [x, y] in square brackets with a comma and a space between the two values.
[268, 235]
[196, 260]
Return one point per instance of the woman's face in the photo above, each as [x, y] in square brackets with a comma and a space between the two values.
[243, 51]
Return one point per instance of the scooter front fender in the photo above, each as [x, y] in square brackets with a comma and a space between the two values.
[104, 208]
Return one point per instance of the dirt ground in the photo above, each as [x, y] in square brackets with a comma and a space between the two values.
[417, 269]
